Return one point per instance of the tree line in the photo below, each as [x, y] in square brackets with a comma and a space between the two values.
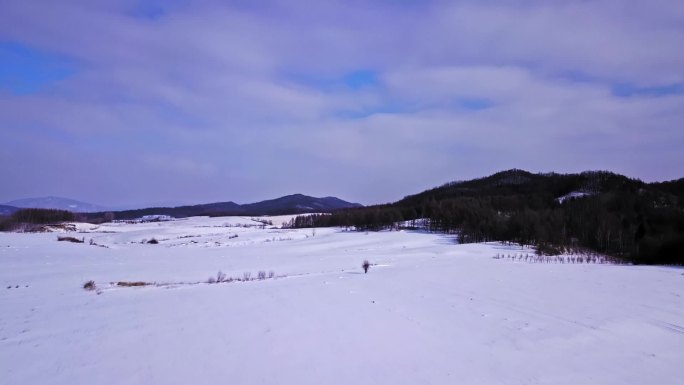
[35, 217]
[626, 218]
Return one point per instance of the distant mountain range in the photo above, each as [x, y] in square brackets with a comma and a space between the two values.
[55, 203]
[290, 204]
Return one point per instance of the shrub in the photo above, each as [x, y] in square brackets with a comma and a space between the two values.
[261, 275]
[152, 241]
[70, 239]
[90, 285]
[246, 276]
[131, 284]
[220, 276]
[365, 266]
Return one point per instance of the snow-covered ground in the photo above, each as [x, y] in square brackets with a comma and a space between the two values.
[428, 312]
[572, 195]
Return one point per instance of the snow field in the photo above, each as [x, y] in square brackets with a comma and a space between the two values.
[428, 312]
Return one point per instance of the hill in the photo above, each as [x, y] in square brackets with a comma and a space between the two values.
[591, 211]
[296, 204]
[290, 204]
[7, 210]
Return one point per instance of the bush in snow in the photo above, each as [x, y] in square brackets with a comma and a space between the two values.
[365, 266]
[70, 239]
[90, 285]
[220, 276]
[564, 259]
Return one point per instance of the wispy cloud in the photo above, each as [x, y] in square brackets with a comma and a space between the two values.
[368, 100]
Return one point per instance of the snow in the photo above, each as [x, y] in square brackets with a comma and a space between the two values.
[429, 311]
[572, 195]
[152, 218]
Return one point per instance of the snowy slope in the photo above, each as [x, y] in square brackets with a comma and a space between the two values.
[429, 312]
[572, 195]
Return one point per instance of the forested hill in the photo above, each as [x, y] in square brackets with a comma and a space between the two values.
[594, 210]
[519, 182]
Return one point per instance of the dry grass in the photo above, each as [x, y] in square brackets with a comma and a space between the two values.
[132, 284]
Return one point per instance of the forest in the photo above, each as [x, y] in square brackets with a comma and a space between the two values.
[599, 211]
[24, 219]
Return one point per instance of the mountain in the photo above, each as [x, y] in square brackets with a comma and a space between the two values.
[7, 210]
[545, 186]
[56, 203]
[290, 204]
[597, 211]
[297, 204]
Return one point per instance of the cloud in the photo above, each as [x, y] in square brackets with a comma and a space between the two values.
[371, 101]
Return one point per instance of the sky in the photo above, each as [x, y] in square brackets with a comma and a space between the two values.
[122, 102]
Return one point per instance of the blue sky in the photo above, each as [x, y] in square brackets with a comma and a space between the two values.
[130, 101]
[26, 70]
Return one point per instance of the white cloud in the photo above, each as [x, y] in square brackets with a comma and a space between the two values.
[211, 83]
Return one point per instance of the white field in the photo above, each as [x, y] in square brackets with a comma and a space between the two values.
[429, 312]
